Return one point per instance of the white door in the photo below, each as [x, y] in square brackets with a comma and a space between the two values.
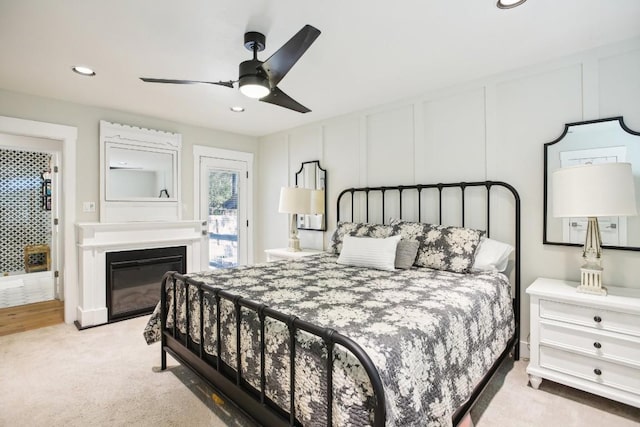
[223, 205]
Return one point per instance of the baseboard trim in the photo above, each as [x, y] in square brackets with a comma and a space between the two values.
[524, 350]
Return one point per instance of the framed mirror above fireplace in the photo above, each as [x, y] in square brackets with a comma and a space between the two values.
[139, 174]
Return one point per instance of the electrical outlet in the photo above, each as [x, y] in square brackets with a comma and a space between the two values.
[88, 206]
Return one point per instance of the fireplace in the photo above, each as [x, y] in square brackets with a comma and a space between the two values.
[133, 279]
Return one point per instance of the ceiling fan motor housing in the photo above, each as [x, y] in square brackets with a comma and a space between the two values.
[250, 73]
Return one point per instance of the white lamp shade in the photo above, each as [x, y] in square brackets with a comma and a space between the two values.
[317, 201]
[294, 200]
[603, 189]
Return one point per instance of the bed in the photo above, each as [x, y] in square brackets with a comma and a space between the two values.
[414, 346]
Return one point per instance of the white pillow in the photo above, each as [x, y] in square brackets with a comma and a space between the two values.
[369, 252]
[492, 255]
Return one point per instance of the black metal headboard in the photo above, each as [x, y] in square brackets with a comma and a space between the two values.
[417, 189]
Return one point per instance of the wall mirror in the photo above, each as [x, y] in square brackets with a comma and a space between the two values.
[139, 174]
[135, 173]
[312, 176]
[596, 141]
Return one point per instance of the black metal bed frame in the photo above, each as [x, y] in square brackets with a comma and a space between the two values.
[514, 342]
[228, 381]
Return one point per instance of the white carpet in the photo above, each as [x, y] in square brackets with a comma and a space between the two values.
[105, 376]
[508, 400]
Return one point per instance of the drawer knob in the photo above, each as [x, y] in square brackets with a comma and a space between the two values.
[597, 319]
[597, 371]
[597, 345]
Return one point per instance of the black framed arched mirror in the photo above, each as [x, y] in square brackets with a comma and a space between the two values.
[595, 141]
[312, 176]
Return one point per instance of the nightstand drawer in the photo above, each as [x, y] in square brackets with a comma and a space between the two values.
[598, 371]
[613, 347]
[591, 316]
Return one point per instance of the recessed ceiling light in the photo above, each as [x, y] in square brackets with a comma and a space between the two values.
[83, 71]
[237, 109]
[508, 4]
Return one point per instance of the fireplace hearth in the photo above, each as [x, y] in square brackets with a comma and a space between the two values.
[133, 279]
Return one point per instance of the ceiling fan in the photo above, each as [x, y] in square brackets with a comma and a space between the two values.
[258, 79]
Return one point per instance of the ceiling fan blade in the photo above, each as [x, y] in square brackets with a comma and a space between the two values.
[278, 97]
[187, 82]
[279, 64]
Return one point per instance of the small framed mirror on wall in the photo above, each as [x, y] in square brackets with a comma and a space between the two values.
[312, 176]
[139, 174]
[596, 141]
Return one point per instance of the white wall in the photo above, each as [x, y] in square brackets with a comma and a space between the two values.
[493, 128]
[86, 154]
[87, 119]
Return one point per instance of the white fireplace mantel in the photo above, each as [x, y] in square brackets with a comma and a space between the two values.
[94, 240]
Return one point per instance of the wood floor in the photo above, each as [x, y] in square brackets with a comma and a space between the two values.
[30, 316]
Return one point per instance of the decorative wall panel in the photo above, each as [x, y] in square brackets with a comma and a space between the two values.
[23, 219]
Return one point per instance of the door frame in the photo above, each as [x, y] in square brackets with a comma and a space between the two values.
[68, 261]
[201, 151]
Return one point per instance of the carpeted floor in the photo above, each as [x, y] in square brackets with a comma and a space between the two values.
[508, 400]
[107, 376]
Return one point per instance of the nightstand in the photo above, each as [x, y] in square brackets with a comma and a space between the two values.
[284, 253]
[588, 342]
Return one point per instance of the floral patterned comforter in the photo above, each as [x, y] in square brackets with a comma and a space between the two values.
[431, 334]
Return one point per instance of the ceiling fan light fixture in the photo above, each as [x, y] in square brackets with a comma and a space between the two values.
[254, 86]
[237, 109]
[509, 4]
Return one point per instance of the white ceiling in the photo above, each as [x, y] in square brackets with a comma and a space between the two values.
[370, 52]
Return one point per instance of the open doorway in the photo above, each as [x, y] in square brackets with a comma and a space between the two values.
[66, 137]
[29, 189]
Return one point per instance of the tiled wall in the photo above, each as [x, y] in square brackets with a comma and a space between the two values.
[23, 220]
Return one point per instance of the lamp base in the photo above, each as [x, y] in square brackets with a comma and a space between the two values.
[591, 271]
[294, 242]
[591, 281]
[294, 245]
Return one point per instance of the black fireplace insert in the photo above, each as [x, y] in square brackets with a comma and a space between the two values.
[133, 279]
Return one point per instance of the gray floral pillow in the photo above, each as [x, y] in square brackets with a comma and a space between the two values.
[441, 247]
[359, 230]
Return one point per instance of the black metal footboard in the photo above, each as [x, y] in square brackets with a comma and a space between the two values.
[228, 380]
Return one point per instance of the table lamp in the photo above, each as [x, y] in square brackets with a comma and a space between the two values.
[294, 201]
[593, 190]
